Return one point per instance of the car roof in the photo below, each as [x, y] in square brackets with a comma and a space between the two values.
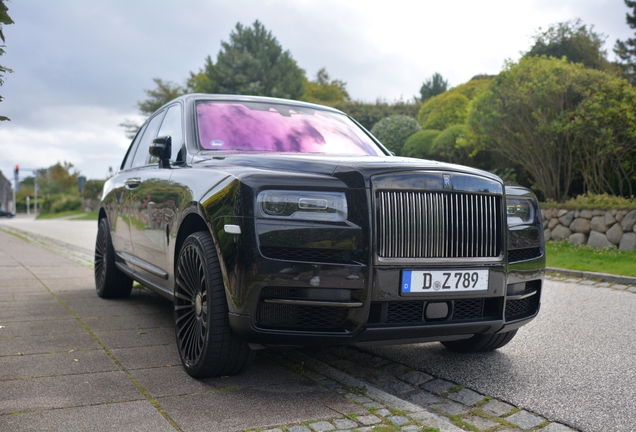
[243, 98]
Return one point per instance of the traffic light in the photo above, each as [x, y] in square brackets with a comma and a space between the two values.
[16, 177]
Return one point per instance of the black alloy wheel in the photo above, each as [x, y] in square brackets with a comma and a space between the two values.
[110, 282]
[481, 342]
[205, 341]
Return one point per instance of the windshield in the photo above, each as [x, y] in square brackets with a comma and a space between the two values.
[258, 126]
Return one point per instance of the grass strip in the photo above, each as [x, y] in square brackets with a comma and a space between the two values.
[585, 258]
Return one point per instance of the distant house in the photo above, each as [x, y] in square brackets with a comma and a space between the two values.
[6, 193]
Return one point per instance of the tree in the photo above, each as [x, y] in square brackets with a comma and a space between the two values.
[626, 50]
[556, 119]
[394, 131]
[159, 96]
[573, 40]
[324, 90]
[604, 127]
[251, 63]
[58, 179]
[164, 92]
[5, 19]
[451, 107]
[433, 86]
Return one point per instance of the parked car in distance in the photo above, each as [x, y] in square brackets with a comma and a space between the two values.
[7, 214]
[269, 222]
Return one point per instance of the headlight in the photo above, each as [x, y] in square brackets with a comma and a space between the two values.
[519, 211]
[303, 205]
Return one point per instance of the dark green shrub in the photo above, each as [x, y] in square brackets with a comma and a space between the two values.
[445, 146]
[394, 131]
[420, 144]
[60, 203]
[368, 114]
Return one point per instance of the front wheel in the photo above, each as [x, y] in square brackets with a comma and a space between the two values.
[110, 282]
[481, 342]
[206, 344]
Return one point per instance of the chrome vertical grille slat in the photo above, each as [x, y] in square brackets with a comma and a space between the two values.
[438, 225]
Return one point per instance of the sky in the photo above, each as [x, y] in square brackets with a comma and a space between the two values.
[81, 66]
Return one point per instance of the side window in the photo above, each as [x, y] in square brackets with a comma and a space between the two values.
[171, 126]
[141, 155]
[127, 163]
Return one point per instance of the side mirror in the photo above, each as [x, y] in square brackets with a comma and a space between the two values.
[161, 148]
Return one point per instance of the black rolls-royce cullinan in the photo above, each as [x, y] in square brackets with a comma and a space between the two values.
[270, 222]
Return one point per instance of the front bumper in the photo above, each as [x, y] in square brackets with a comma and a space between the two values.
[284, 309]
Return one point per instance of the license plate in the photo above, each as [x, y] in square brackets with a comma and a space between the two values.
[444, 281]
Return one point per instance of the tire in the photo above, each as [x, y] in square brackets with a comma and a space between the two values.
[205, 341]
[481, 342]
[110, 282]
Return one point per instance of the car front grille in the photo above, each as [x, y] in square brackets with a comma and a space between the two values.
[523, 308]
[438, 225]
[301, 317]
[412, 312]
[306, 254]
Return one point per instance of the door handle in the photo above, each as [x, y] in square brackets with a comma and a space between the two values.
[132, 182]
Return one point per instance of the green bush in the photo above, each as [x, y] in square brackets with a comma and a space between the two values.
[445, 146]
[368, 114]
[420, 144]
[60, 203]
[451, 109]
[472, 88]
[394, 131]
[593, 201]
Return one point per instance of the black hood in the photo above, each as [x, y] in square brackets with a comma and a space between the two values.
[356, 171]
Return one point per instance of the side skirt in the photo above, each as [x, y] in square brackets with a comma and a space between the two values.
[162, 291]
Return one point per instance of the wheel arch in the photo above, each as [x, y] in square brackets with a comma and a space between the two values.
[192, 223]
[102, 214]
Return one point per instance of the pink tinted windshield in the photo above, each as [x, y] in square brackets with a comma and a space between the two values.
[257, 126]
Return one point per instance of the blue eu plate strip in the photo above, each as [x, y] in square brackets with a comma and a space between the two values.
[406, 281]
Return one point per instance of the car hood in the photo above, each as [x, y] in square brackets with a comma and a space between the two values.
[356, 171]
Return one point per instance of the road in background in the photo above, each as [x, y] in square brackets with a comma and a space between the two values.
[80, 233]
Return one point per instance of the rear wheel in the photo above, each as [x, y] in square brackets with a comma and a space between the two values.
[110, 282]
[481, 342]
[205, 341]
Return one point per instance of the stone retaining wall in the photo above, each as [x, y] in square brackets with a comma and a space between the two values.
[596, 228]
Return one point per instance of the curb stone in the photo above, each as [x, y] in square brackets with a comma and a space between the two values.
[593, 276]
[474, 411]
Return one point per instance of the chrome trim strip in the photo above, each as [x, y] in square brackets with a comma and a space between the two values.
[520, 296]
[143, 265]
[315, 303]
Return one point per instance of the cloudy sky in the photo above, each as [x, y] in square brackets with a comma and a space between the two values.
[80, 66]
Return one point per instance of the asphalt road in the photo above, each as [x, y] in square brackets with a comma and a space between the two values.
[81, 233]
[575, 364]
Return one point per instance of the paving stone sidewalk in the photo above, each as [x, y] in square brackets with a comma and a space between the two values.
[72, 361]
